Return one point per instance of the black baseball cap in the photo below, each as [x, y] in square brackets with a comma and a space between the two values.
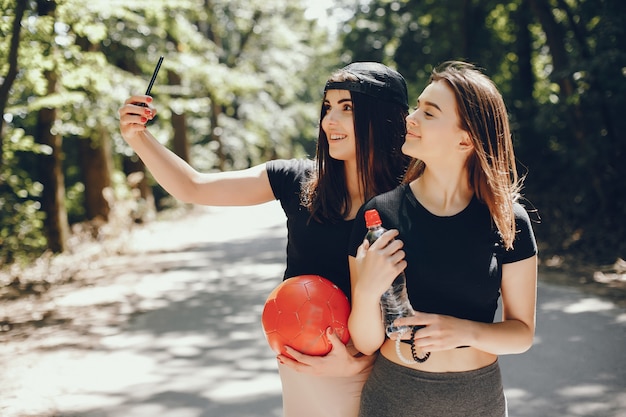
[375, 80]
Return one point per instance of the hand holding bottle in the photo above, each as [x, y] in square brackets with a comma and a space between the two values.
[394, 301]
[379, 263]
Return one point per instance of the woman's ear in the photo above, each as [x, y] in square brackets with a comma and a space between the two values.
[466, 144]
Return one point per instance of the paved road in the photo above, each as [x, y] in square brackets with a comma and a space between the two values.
[172, 329]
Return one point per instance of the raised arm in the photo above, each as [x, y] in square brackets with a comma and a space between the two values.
[235, 188]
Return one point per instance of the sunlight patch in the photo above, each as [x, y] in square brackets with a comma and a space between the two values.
[589, 390]
[515, 393]
[93, 296]
[237, 390]
[589, 305]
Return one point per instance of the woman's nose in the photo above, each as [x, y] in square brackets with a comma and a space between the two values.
[331, 117]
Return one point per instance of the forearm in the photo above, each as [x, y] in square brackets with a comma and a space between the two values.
[371, 273]
[365, 324]
[440, 332]
[516, 331]
[175, 175]
[507, 337]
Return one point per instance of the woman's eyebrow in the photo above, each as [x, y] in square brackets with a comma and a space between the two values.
[343, 100]
[430, 103]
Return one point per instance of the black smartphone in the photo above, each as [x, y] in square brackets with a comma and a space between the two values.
[154, 75]
[149, 89]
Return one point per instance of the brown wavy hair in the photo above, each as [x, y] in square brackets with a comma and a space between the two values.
[491, 166]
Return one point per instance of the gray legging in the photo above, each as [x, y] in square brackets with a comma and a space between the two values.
[393, 390]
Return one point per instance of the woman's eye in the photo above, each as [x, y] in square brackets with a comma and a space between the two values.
[347, 107]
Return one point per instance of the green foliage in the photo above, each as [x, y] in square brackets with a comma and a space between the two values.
[249, 83]
[21, 223]
[562, 75]
[248, 76]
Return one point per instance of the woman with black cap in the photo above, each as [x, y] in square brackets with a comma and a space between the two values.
[358, 156]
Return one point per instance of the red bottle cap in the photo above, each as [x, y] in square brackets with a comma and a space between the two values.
[372, 218]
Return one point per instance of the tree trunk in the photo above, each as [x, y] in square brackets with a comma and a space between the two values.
[216, 109]
[555, 39]
[180, 143]
[51, 176]
[95, 164]
[135, 171]
[11, 74]
[526, 85]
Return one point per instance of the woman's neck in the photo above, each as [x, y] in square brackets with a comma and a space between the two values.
[355, 191]
[445, 194]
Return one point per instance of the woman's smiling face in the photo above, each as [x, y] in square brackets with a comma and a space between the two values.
[338, 125]
[433, 128]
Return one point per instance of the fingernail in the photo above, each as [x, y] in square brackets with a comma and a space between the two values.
[149, 99]
[144, 119]
[331, 330]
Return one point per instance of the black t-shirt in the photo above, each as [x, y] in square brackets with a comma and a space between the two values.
[312, 247]
[454, 264]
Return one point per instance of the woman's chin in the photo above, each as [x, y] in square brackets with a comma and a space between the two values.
[408, 148]
[340, 155]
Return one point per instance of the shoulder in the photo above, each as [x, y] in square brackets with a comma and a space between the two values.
[389, 199]
[524, 245]
[291, 167]
[390, 203]
[290, 170]
[287, 175]
[388, 206]
[522, 216]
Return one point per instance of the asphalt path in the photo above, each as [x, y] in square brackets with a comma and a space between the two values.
[171, 328]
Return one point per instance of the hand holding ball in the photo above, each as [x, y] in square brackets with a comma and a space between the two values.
[298, 312]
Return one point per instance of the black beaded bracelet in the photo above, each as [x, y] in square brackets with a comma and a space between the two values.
[413, 353]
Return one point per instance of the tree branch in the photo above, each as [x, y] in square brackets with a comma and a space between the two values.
[20, 8]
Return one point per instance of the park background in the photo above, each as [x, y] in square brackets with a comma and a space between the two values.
[116, 300]
[241, 83]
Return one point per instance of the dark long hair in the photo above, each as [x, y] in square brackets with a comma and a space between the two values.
[380, 130]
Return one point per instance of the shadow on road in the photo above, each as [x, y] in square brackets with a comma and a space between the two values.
[167, 330]
[577, 365]
[171, 328]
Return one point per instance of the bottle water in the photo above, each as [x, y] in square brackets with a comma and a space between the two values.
[394, 303]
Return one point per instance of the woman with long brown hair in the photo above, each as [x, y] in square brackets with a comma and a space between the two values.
[463, 240]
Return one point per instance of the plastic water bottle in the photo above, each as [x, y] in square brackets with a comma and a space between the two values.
[394, 303]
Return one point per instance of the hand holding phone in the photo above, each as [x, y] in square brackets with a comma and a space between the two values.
[149, 89]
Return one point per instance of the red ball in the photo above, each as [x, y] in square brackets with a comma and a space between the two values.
[298, 312]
